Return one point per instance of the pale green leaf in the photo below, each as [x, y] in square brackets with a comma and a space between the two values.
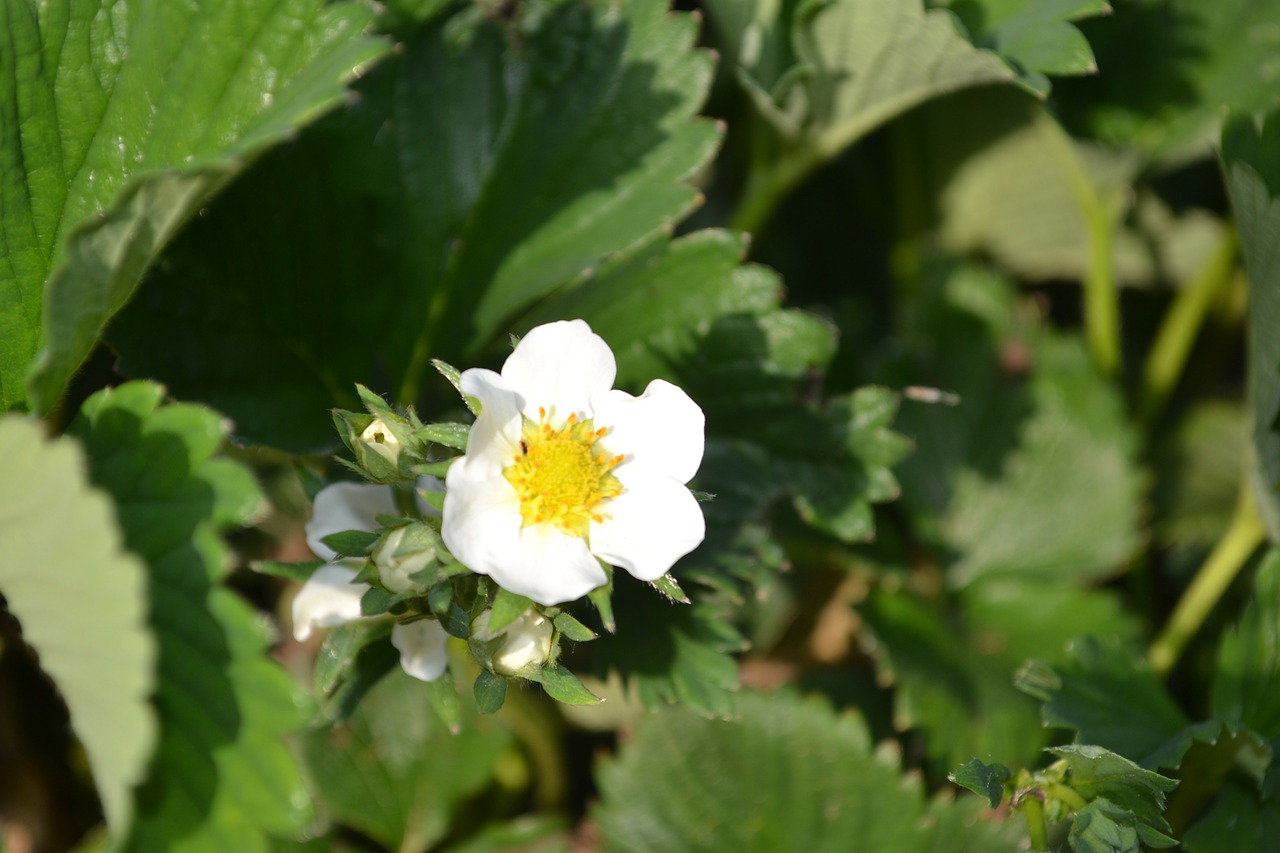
[69, 581]
[221, 777]
[105, 159]
[789, 775]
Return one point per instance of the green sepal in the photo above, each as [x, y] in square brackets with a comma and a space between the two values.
[289, 571]
[435, 469]
[490, 691]
[310, 481]
[443, 696]
[668, 586]
[507, 607]
[351, 543]
[985, 780]
[572, 629]
[449, 435]
[453, 618]
[602, 598]
[562, 685]
[435, 500]
[451, 373]
[368, 463]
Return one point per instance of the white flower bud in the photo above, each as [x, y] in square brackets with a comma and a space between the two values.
[403, 551]
[382, 441]
[528, 641]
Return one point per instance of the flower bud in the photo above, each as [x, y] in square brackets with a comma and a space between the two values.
[402, 552]
[527, 644]
[378, 437]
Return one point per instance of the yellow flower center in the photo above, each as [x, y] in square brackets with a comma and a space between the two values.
[562, 475]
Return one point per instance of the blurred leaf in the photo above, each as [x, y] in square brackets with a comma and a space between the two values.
[953, 666]
[1240, 820]
[530, 834]
[104, 160]
[1198, 473]
[478, 179]
[1106, 694]
[1251, 159]
[69, 581]
[352, 658]
[394, 772]
[221, 778]
[985, 780]
[1246, 684]
[1035, 36]
[1169, 70]
[789, 775]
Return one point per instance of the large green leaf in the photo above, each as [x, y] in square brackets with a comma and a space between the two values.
[104, 159]
[70, 583]
[221, 778]
[395, 772]
[789, 775]
[481, 169]
[1170, 68]
[1251, 158]
[1035, 36]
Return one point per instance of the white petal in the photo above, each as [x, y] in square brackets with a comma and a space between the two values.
[653, 523]
[481, 514]
[495, 436]
[328, 598]
[549, 566]
[422, 648]
[346, 506]
[560, 365]
[662, 429]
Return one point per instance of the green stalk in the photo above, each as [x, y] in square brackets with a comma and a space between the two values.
[770, 181]
[1181, 325]
[1243, 536]
[1037, 829]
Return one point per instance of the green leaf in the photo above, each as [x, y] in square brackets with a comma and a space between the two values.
[563, 686]
[289, 571]
[1246, 684]
[449, 435]
[671, 653]
[1253, 181]
[1240, 820]
[394, 772]
[1172, 68]
[1198, 473]
[1108, 696]
[789, 775]
[1035, 36]
[953, 663]
[351, 543]
[69, 581]
[490, 691]
[221, 776]
[985, 780]
[484, 178]
[1096, 773]
[572, 629]
[352, 658]
[105, 160]
[529, 834]
[1104, 827]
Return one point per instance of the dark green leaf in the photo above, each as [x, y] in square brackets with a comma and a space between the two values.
[288, 571]
[985, 780]
[1104, 827]
[1253, 180]
[480, 179]
[351, 543]
[1098, 773]
[352, 658]
[69, 581]
[105, 159]
[490, 691]
[1246, 685]
[221, 767]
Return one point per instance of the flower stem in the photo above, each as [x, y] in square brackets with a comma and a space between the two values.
[1181, 325]
[1243, 536]
[769, 182]
[1037, 829]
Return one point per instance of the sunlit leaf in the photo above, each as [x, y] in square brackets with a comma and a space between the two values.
[105, 159]
[70, 583]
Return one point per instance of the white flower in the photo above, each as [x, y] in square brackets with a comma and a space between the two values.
[560, 470]
[381, 440]
[403, 551]
[329, 597]
[528, 641]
